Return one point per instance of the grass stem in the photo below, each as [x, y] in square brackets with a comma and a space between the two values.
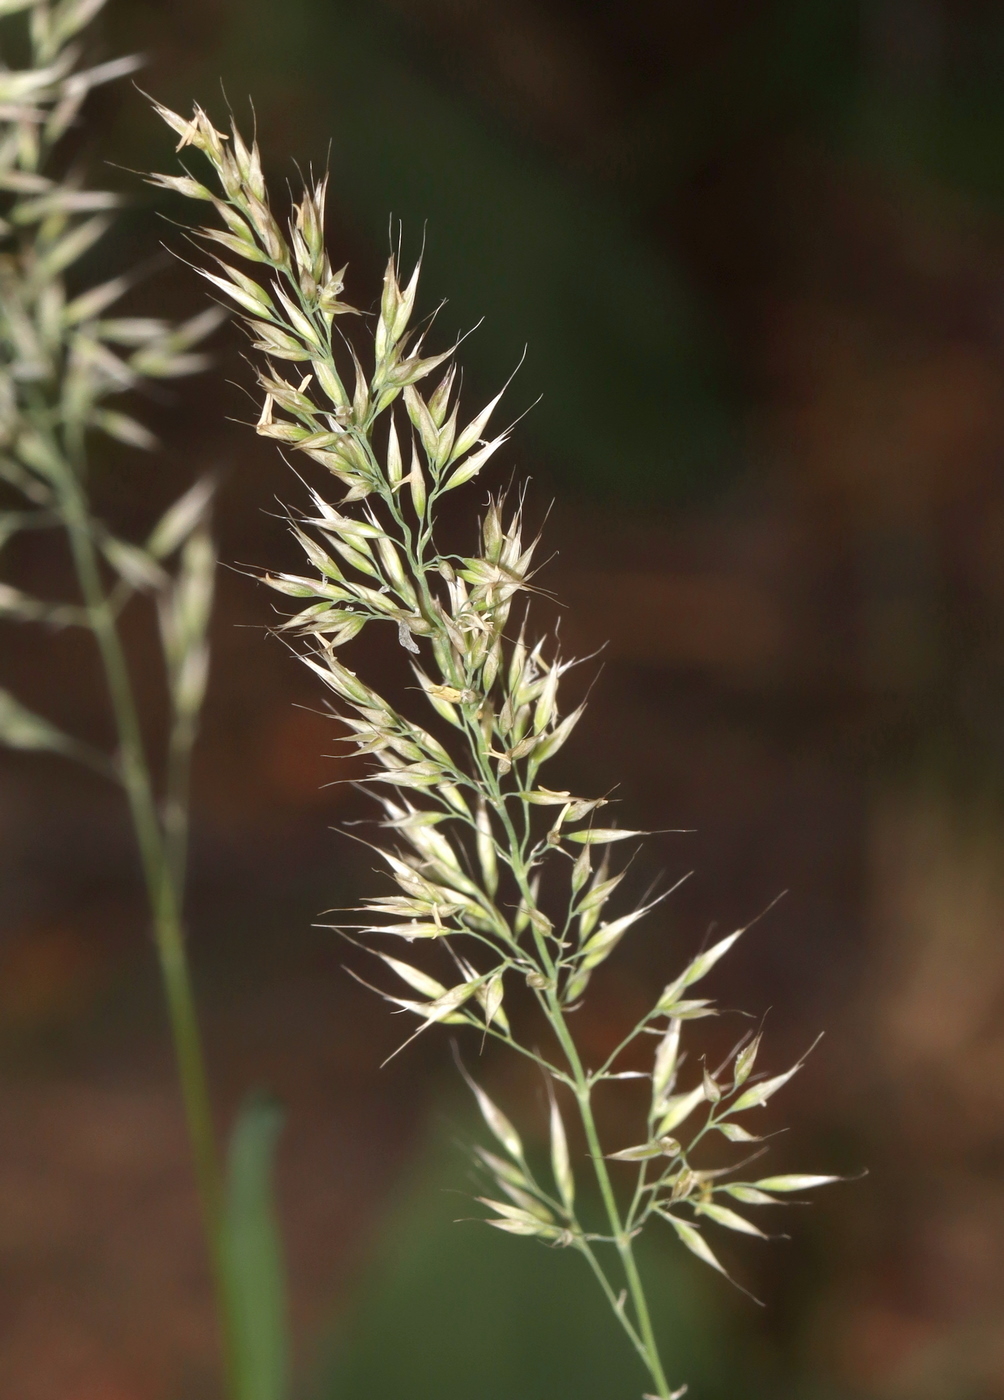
[163, 871]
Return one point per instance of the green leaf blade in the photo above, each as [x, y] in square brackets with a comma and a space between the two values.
[255, 1273]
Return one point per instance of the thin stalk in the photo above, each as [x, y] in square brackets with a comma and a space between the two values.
[613, 1300]
[164, 894]
[176, 801]
[623, 1239]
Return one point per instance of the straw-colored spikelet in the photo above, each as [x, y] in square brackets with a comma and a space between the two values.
[496, 869]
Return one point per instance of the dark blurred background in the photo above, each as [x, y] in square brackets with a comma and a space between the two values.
[756, 254]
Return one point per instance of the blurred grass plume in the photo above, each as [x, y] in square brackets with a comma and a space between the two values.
[66, 359]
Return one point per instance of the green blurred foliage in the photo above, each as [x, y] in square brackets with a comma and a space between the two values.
[617, 345]
[625, 344]
[256, 1283]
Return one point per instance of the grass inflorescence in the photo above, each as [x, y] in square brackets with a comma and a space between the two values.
[512, 878]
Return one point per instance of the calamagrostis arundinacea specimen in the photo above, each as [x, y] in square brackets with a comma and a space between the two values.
[503, 878]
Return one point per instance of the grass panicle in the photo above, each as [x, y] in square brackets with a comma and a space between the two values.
[510, 878]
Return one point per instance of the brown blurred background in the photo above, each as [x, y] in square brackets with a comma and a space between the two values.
[756, 252]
